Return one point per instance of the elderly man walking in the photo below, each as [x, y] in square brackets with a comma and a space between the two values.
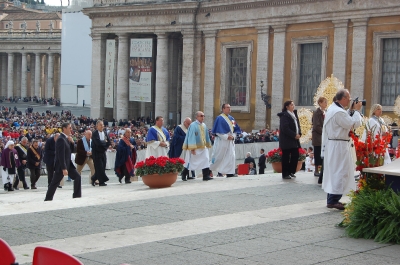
[197, 142]
[84, 154]
[126, 157]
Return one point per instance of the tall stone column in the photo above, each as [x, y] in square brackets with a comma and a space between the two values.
[209, 77]
[98, 68]
[17, 74]
[161, 99]
[10, 75]
[4, 75]
[50, 76]
[278, 65]
[122, 92]
[340, 49]
[358, 57]
[37, 75]
[187, 74]
[24, 76]
[262, 75]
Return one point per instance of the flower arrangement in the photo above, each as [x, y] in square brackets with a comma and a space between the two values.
[370, 153]
[160, 165]
[275, 155]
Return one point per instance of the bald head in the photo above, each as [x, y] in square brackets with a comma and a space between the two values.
[187, 122]
[88, 134]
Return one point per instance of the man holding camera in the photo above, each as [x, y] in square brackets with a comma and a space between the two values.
[336, 148]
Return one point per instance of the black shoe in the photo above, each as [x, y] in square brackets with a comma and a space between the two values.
[102, 184]
[184, 178]
[292, 175]
[220, 175]
[26, 187]
[93, 182]
[59, 186]
[206, 179]
[128, 182]
[231, 175]
[10, 187]
[287, 177]
[16, 188]
[119, 179]
[33, 187]
[191, 178]
[6, 187]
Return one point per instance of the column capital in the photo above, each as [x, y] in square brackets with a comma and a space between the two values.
[97, 36]
[359, 22]
[123, 35]
[263, 29]
[161, 34]
[279, 28]
[210, 33]
[340, 23]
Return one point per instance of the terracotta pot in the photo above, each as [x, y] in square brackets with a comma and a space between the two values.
[299, 165]
[156, 181]
[277, 167]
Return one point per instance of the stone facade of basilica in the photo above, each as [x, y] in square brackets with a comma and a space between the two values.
[206, 53]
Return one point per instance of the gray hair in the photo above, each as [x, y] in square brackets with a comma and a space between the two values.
[341, 94]
[24, 139]
[248, 154]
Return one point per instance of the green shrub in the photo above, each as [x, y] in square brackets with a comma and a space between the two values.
[375, 214]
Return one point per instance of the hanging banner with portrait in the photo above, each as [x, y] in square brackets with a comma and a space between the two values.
[140, 70]
[109, 76]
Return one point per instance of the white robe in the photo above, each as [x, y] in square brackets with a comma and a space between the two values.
[375, 127]
[198, 161]
[223, 155]
[154, 149]
[7, 178]
[338, 161]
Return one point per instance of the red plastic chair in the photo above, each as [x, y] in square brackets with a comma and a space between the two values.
[243, 169]
[51, 256]
[7, 256]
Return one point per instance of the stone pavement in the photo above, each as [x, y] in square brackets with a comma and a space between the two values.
[245, 220]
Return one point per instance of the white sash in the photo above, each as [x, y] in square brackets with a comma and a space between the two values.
[160, 133]
[226, 118]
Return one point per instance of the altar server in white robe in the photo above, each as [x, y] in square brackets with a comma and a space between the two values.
[377, 126]
[196, 144]
[223, 157]
[157, 139]
[336, 149]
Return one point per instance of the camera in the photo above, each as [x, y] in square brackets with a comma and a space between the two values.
[356, 100]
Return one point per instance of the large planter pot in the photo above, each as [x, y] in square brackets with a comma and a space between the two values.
[156, 181]
[277, 166]
[299, 165]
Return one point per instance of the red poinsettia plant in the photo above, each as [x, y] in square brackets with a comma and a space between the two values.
[371, 153]
[275, 155]
[160, 165]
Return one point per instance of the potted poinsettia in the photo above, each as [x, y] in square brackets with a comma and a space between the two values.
[160, 172]
[274, 157]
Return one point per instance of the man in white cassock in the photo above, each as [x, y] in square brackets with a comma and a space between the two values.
[223, 157]
[197, 142]
[336, 148]
[157, 139]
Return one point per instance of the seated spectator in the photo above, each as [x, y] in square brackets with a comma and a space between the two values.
[309, 163]
[252, 170]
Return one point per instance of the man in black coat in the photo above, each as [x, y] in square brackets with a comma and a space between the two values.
[63, 165]
[249, 160]
[100, 144]
[261, 162]
[49, 155]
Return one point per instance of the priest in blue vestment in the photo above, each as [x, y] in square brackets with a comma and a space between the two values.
[157, 139]
[223, 158]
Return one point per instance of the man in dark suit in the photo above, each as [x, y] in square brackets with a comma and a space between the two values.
[49, 155]
[261, 162]
[100, 144]
[63, 165]
[84, 154]
[249, 160]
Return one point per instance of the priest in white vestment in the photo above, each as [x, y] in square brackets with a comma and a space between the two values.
[157, 139]
[196, 144]
[223, 157]
[336, 149]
